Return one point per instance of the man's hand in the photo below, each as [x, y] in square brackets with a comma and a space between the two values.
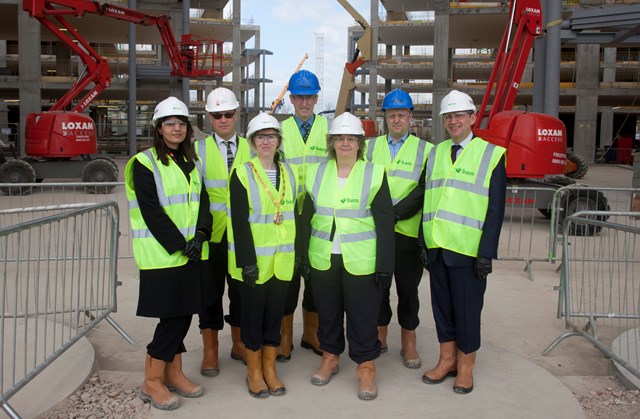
[250, 275]
[383, 279]
[482, 267]
[193, 249]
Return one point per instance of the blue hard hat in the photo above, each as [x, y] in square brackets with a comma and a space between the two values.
[304, 82]
[397, 99]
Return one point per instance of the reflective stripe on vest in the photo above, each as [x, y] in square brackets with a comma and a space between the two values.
[350, 209]
[216, 178]
[274, 244]
[403, 173]
[299, 154]
[181, 208]
[457, 196]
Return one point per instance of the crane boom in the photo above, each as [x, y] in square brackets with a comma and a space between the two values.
[277, 104]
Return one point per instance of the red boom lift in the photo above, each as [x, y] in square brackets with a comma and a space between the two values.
[62, 142]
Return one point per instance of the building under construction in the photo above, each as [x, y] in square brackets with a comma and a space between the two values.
[585, 66]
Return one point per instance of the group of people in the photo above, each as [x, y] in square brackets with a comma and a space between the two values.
[319, 204]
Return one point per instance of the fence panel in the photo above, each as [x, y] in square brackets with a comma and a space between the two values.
[600, 285]
[50, 198]
[59, 281]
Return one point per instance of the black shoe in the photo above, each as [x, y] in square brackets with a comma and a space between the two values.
[427, 380]
[306, 345]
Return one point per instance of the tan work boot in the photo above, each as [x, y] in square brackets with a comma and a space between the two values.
[464, 380]
[446, 366]
[310, 335]
[255, 380]
[238, 351]
[328, 368]
[409, 353]
[383, 331]
[276, 387]
[286, 339]
[366, 373]
[209, 366]
[177, 382]
[153, 389]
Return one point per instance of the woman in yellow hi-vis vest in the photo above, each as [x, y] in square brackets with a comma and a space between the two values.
[351, 252]
[170, 225]
[261, 234]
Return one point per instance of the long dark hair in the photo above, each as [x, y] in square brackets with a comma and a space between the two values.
[186, 147]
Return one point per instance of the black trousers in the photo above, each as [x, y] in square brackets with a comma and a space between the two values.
[294, 293]
[407, 275]
[262, 311]
[337, 292]
[213, 316]
[168, 339]
[457, 297]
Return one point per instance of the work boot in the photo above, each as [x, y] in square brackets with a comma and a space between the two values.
[446, 366]
[310, 334]
[286, 339]
[209, 366]
[382, 337]
[409, 354]
[255, 380]
[366, 373]
[153, 389]
[177, 382]
[238, 351]
[464, 380]
[276, 388]
[328, 368]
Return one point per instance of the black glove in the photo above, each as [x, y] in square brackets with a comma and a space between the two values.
[250, 275]
[482, 267]
[193, 249]
[383, 279]
[297, 266]
[424, 257]
[306, 271]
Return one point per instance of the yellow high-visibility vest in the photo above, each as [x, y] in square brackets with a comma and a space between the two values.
[274, 243]
[216, 178]
[350, 209]
[403, 173]
[179, 199]
[457, 195]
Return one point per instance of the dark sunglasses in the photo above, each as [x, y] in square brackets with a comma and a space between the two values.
[227, 115]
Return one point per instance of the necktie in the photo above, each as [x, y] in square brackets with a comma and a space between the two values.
[454, 152]
[306, 129]
[229, 156]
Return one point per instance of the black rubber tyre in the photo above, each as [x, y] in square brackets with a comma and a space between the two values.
[17, 171]
[110, 160]
[581, 162]
[560, 180]
[99, 170]
[583, 200]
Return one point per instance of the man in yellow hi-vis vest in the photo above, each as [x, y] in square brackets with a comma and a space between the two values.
[220, 153]
[304, 144]
[403, 155]
[465, 188]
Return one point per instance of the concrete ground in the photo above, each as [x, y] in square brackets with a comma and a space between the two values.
[512, 378]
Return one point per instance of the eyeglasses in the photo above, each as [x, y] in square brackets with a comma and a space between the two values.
[227, 115]
[265, 138]
[173, 123]
[457, 115]
[337, 139]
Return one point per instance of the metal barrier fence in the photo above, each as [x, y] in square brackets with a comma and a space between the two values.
[600, 285]
[59, 281]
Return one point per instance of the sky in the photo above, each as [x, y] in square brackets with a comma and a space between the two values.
[288, 29]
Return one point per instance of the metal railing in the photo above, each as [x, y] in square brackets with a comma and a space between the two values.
[59, 281]
[600, 285]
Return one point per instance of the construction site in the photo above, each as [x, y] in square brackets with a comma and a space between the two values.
[555, 82]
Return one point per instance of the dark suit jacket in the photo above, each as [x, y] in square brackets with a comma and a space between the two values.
[488, 247]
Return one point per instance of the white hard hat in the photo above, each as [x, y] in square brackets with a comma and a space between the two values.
[171, 106]
[346, 123]
[262, 121]
[456, 101]
[220, 100]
